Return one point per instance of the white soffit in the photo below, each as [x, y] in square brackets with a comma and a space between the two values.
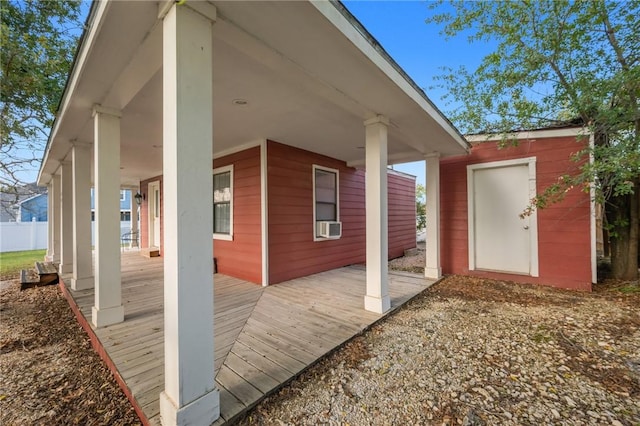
[310, 77]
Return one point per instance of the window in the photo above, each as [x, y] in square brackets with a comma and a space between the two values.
[223, 203]
[325, 196]
[123, 196]
[125, 216]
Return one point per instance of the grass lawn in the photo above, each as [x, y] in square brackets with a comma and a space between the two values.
[13, 261]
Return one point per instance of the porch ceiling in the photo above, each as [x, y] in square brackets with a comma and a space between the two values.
[309, 75]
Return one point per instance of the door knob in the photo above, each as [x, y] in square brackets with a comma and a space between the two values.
[526, 227]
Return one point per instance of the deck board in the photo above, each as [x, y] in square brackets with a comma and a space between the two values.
[238, 386]
[287, 365]
[263, 336]
[261, 362]
[230, 406]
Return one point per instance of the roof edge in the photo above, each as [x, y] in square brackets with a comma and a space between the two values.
[549, 132]
[395, 172]
[83, 45]
[19, 203]
[342, 9]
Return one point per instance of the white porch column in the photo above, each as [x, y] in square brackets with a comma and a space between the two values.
[108, 307]
[82, 262]
[377, 298]
[66, 218]
[50, 247]
[190, 395]
[432, 268]
[54, 216]
[134, 217]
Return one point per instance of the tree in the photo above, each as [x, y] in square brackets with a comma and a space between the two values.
[554, 60]
[421, 207]
[38, 39]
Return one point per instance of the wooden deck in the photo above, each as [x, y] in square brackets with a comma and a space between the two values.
[264, 336]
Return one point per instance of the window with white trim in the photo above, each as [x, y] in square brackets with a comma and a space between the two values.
[325, 196]
[223, 203]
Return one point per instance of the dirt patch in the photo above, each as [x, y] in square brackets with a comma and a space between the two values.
[356, 352]
[590, 363]
[622, 292]
[50, 374]
[487, 290]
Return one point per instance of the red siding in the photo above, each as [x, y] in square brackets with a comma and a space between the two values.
[564, 247]
[144, 213]
[292, 251]
[402, 214]
[242, 257]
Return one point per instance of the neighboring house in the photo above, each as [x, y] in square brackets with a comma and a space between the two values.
[9, 201]
[36, 207]
[483, 195]
[125, 205]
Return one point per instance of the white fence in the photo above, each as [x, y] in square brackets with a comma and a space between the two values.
[18, 236]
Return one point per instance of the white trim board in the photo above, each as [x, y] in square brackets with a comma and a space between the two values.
[313, 189]
[225, 169]
[93, 23]
[264, 214]
[592, 219]
[530, 134]
[151, 213]
[238, 148]
[401, 174]
[533, 225]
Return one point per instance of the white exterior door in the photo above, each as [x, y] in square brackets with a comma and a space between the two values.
[154, 214]
[499, 238]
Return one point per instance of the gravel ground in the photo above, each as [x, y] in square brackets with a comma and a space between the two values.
[468, 351]
[473, 352]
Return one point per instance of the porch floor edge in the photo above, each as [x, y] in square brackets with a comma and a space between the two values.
[98, 347]
[392, 311]
[265, 337]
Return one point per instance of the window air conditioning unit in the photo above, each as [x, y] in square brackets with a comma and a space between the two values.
[326, 229]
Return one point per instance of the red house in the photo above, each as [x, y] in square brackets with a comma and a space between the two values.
[259, 134]
[286, 184]
[483, 195]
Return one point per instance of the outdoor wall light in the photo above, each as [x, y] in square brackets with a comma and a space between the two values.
[139, 197]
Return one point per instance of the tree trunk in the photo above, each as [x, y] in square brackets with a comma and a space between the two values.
[623, 217]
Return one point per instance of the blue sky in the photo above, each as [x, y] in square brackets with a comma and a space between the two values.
[399, 26]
